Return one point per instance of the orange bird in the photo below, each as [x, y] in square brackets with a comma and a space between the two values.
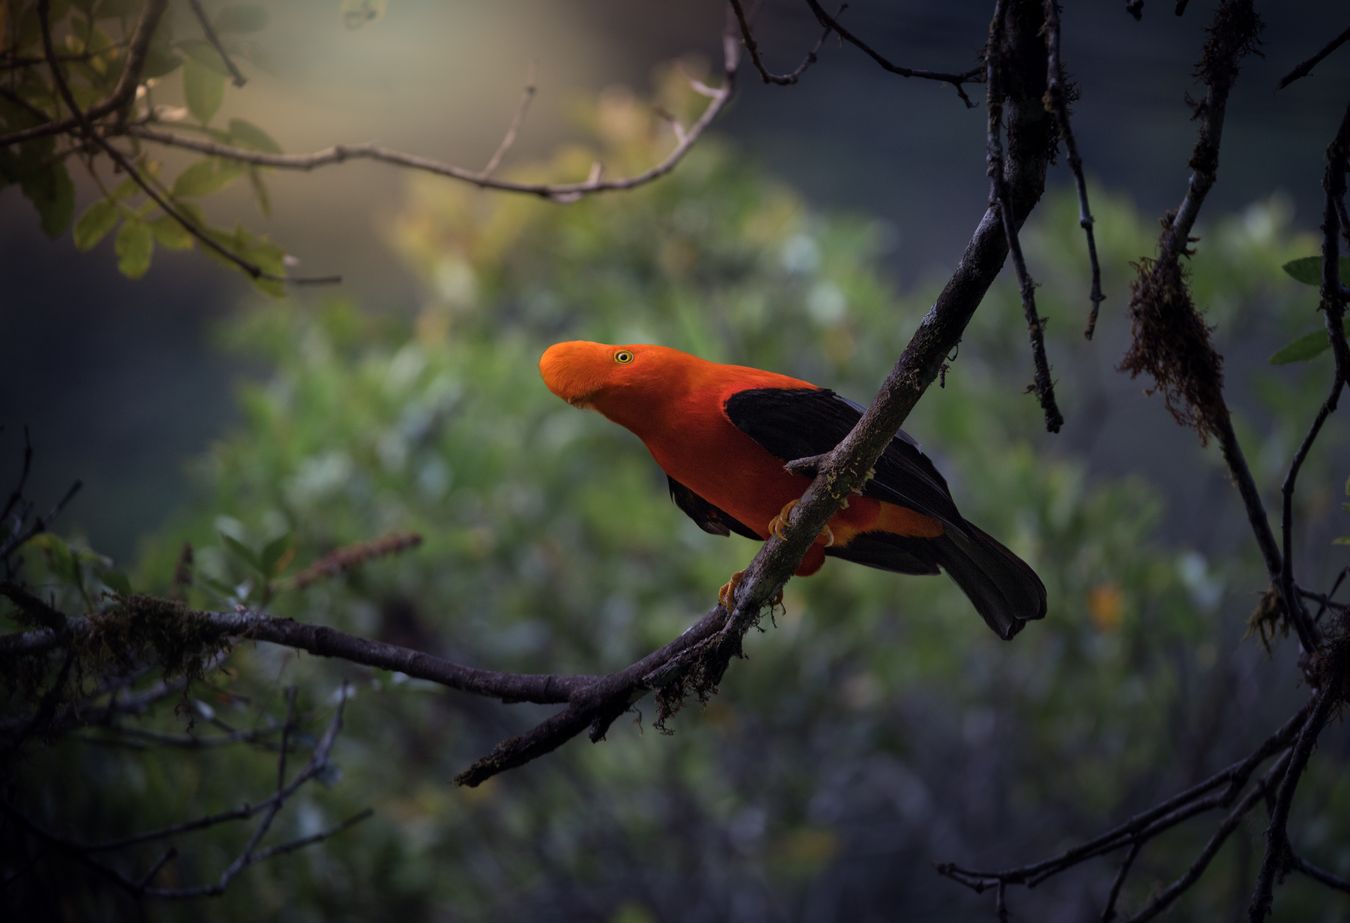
[722, 434]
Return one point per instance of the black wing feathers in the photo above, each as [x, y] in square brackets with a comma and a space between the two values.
[708, 517]
[798, 423]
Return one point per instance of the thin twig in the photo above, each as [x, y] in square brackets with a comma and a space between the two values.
[1109, 911]
[1218, 790]
[209, 31]
[1043, 385]
[24, 470]
[249, 856]
[718, 98]
[1333, 313]
[1164, 899]
[1277, 834]
[958, 81]
[1333, 295]
[518, 119]
[752, 47]
[1305, 68]
[1056, 97]
[1318, 874]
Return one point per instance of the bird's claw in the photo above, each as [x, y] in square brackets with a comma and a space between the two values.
[727, 595]
[778, 525]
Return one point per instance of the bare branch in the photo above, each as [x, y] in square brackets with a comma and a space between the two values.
[1043, 385]
[518, 119]
[752, 47]
[1109, 911]
[22, 528]
[1277, 834]
[958, 81]
[1164, 899]
[1171, 340]
[1056, 98]
[1333, 314]
[1333, 287]
[249, 855]
[322, 642]
[718, 97]
[1218, 790]
[1318, 874]
[1305, 68]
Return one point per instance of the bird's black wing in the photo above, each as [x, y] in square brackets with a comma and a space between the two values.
[802, 422]
[708, 517]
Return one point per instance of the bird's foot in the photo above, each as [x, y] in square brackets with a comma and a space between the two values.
[778, 525]
[727, 595]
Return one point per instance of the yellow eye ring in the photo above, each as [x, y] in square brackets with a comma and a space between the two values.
[623, 356]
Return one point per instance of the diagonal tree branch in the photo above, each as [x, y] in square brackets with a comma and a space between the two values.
[1306, 67]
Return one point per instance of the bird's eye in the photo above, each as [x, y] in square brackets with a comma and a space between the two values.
[623, 356]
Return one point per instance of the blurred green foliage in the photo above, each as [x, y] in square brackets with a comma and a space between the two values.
[877, 727]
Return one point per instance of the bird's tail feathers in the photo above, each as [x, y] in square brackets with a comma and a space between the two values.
[1004, 589]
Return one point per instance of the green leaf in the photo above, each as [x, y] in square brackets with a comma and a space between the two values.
[273, 552]
[1308, 270]
[205, 54]
[116, 581]
[53, 195]
[246, 134]
[243, 553]
[241, 19]
[97, 220]
[159, 61]
[204, 89]
[357, 13]
[205, 177]
[170, 235]
[219, 587]
[1304, 348]
[260, 191]
[134, 246]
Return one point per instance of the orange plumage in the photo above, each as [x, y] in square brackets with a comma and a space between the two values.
[722, 434]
